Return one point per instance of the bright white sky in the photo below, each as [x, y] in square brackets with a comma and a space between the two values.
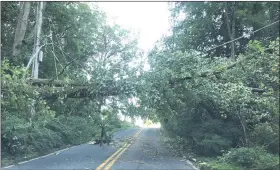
[150, 19]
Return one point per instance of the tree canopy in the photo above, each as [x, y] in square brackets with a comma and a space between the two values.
[213, 83]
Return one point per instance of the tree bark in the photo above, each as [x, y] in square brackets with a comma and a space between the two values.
[103, 131]
[21, 27]
[231, 31]
[39, 20]
[243, 123]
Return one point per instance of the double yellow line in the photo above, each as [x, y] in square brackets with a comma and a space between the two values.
[113, 158]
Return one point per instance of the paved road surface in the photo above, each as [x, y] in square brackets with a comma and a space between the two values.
[133, 149]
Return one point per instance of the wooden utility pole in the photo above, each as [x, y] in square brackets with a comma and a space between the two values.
[36, 49]
[38, 27]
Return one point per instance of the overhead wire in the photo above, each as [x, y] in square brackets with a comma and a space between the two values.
[243, 36]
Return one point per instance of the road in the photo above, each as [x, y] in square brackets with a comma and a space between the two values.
[133, 148]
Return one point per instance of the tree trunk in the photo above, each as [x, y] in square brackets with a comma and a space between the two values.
[21, 27]
[102, 122]
[38, 26]
[32, 32]
[243, 123]
[231, 31]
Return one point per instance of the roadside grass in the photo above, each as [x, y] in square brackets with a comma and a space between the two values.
[58, 134]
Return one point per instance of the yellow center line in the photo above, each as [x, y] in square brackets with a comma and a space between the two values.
[136, 134]
[119, 151]
[107, 160]
[115, 159]
[118, 156]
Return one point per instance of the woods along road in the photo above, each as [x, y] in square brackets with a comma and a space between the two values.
[132, 148]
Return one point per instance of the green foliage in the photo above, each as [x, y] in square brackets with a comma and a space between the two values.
[213, 165]
[84, 129]
[199, 26]
[25, 134]
[222, 109]
[212, 145]
[266, 135]
[206, 114]
[23, 142]
[256, 158]
[211, 112]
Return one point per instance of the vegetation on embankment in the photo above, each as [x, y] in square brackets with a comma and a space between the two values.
[214, 85]
[23, 143]
[234, 159]
[26, 134]
[77, 42]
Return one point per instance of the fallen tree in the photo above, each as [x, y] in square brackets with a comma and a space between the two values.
[62, 89]
[222, 69]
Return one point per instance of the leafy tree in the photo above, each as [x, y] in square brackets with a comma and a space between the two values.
[209, 24]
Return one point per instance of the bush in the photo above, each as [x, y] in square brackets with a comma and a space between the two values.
[21, 141]
[212, 145]
[266, 135]
[29, 140]
[214, 165]
[74, 130]
[251, 158]
[43, 140]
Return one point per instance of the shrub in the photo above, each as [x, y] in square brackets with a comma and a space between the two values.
[251, 158]
[266, 135]
[214, 165]
[212, 145]
[43, 140]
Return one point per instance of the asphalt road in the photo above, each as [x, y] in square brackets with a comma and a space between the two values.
[133, 149]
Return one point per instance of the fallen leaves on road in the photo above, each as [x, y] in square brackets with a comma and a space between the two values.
[92, 142]
[138, 161]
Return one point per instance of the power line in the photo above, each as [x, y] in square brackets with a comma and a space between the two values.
[232, 40]
[242, 36]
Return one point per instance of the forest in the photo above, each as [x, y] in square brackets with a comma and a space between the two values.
[213, 83]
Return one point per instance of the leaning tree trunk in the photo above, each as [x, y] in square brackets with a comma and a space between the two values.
[21, 27]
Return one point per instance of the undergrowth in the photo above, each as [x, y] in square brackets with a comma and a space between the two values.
[25, 143]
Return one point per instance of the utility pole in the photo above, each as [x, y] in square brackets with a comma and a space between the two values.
[38, 54]
[38, 27]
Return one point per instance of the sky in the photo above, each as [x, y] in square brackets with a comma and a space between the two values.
[150, 19]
